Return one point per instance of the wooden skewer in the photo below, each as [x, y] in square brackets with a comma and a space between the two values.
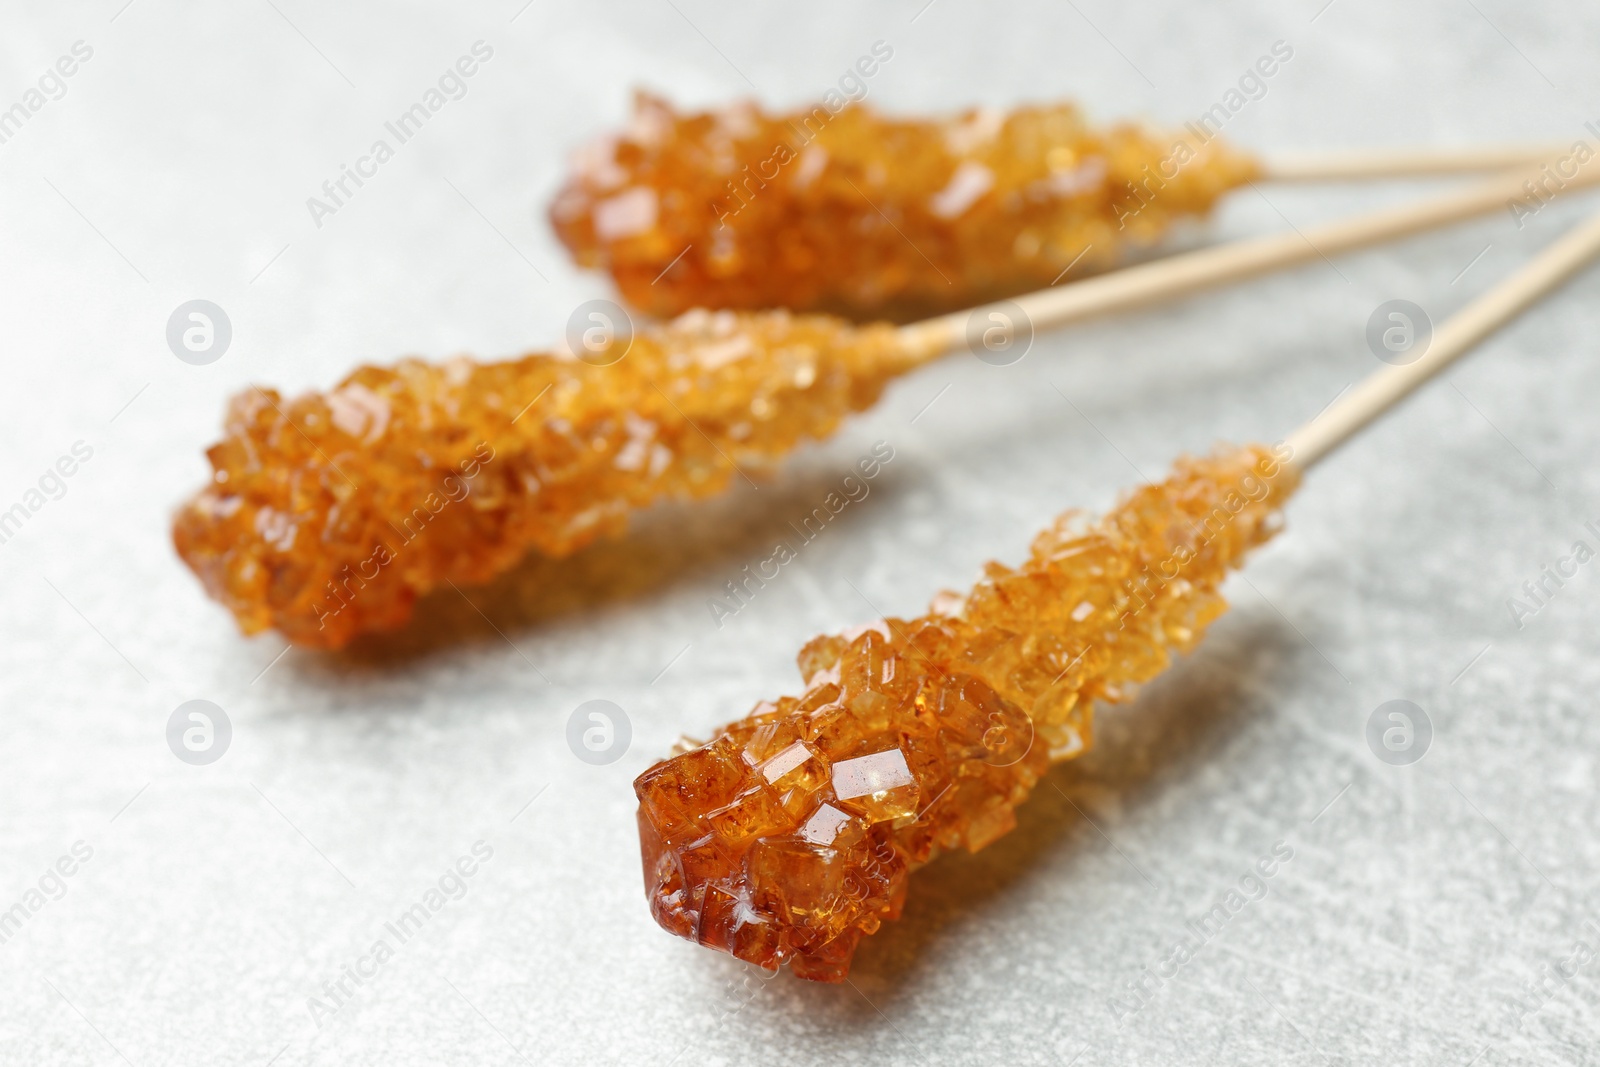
[1407, 162]
[1208, 268]
[1384, 388]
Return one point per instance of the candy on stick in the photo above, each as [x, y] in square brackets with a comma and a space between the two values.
[330, 514]
[793, 832]
[327, 516]
[856, 212]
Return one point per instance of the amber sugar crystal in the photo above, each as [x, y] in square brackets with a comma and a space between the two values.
[856, 212]
[793, 832]
[329, 515]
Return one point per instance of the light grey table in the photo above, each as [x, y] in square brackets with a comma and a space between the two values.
[1423, 905]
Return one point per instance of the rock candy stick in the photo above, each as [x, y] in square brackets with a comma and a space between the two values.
[843, 209]
[328, 516]
[793, 832]
[856, 212]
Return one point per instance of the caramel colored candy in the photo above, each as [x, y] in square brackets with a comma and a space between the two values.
[793, 832]
[854, 212]
[329, 515]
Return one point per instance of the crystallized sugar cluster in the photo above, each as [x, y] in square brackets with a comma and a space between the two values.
[329, 515]
[851, 211]
[792, 833]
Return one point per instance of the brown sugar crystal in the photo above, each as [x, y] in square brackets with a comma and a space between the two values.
[792, 833]
[327, 516]
[856, 212]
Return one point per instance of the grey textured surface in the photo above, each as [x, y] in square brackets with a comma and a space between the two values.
[1422, 905]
